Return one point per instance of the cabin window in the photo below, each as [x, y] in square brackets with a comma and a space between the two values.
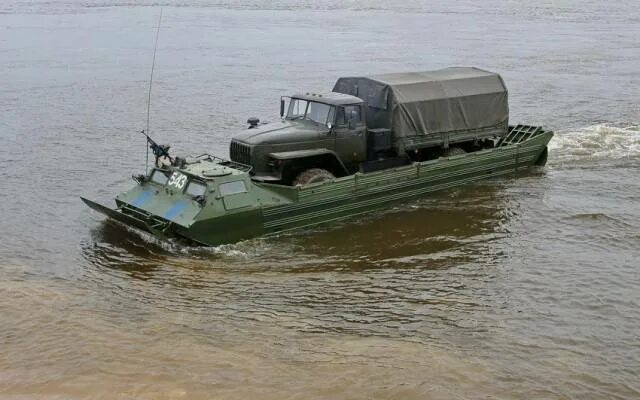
[346, 112]
[196, 189]
[297, 108]
[159, 177]
[352, 112]
[235, 187]
[318, 112]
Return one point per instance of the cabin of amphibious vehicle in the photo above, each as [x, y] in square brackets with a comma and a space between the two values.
[369, 142]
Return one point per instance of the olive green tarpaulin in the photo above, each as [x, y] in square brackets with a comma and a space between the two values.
[421, 103]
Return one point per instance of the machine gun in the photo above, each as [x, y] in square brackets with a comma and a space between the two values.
[159, 150]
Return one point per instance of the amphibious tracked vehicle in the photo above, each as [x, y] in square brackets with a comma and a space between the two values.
[370, 142]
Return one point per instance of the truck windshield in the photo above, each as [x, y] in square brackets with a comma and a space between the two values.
[310, 110]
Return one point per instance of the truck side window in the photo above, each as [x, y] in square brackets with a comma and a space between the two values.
[344, 113]
[352, 112]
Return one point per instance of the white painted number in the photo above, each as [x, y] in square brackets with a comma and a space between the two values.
[178, 180]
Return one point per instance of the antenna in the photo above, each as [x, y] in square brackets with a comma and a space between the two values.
[153, 66]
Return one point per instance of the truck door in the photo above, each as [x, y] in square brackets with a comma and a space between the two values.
[350, 132]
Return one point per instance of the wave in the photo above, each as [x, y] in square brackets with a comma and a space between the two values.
[595, 143]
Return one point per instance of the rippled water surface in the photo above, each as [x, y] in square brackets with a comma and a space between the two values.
[525, 287]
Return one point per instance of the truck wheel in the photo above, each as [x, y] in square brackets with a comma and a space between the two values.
[313, 175]
[453, 151]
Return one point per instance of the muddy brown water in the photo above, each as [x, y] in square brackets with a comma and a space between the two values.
[524, 287]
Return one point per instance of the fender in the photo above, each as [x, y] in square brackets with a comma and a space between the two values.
[311, 153]
[284, 156]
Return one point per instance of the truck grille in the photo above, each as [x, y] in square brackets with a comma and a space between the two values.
[240, 152]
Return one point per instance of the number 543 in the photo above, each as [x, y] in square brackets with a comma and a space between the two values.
[178, 180]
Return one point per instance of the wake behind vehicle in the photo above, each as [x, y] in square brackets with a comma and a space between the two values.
[369, 142]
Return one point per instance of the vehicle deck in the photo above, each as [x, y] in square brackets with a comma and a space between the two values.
[520, 147]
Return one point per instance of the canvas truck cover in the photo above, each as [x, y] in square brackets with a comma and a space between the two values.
[432, 102]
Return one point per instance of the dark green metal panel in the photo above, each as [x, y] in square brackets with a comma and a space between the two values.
[227, 214]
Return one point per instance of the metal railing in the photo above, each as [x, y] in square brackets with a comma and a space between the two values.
[518, 134]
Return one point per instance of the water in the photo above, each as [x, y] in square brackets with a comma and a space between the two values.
[516, 288]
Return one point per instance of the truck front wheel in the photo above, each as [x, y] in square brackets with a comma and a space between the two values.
[313, 175]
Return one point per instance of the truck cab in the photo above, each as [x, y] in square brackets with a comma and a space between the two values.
[320, 136]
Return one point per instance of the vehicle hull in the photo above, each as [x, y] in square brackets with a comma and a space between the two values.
[270, 208]
[362, 193]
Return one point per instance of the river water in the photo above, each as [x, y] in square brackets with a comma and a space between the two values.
[524, 287]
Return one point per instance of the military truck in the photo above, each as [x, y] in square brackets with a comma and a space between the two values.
[376, 122]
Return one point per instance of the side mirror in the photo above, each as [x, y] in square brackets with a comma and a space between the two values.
[281, 107]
